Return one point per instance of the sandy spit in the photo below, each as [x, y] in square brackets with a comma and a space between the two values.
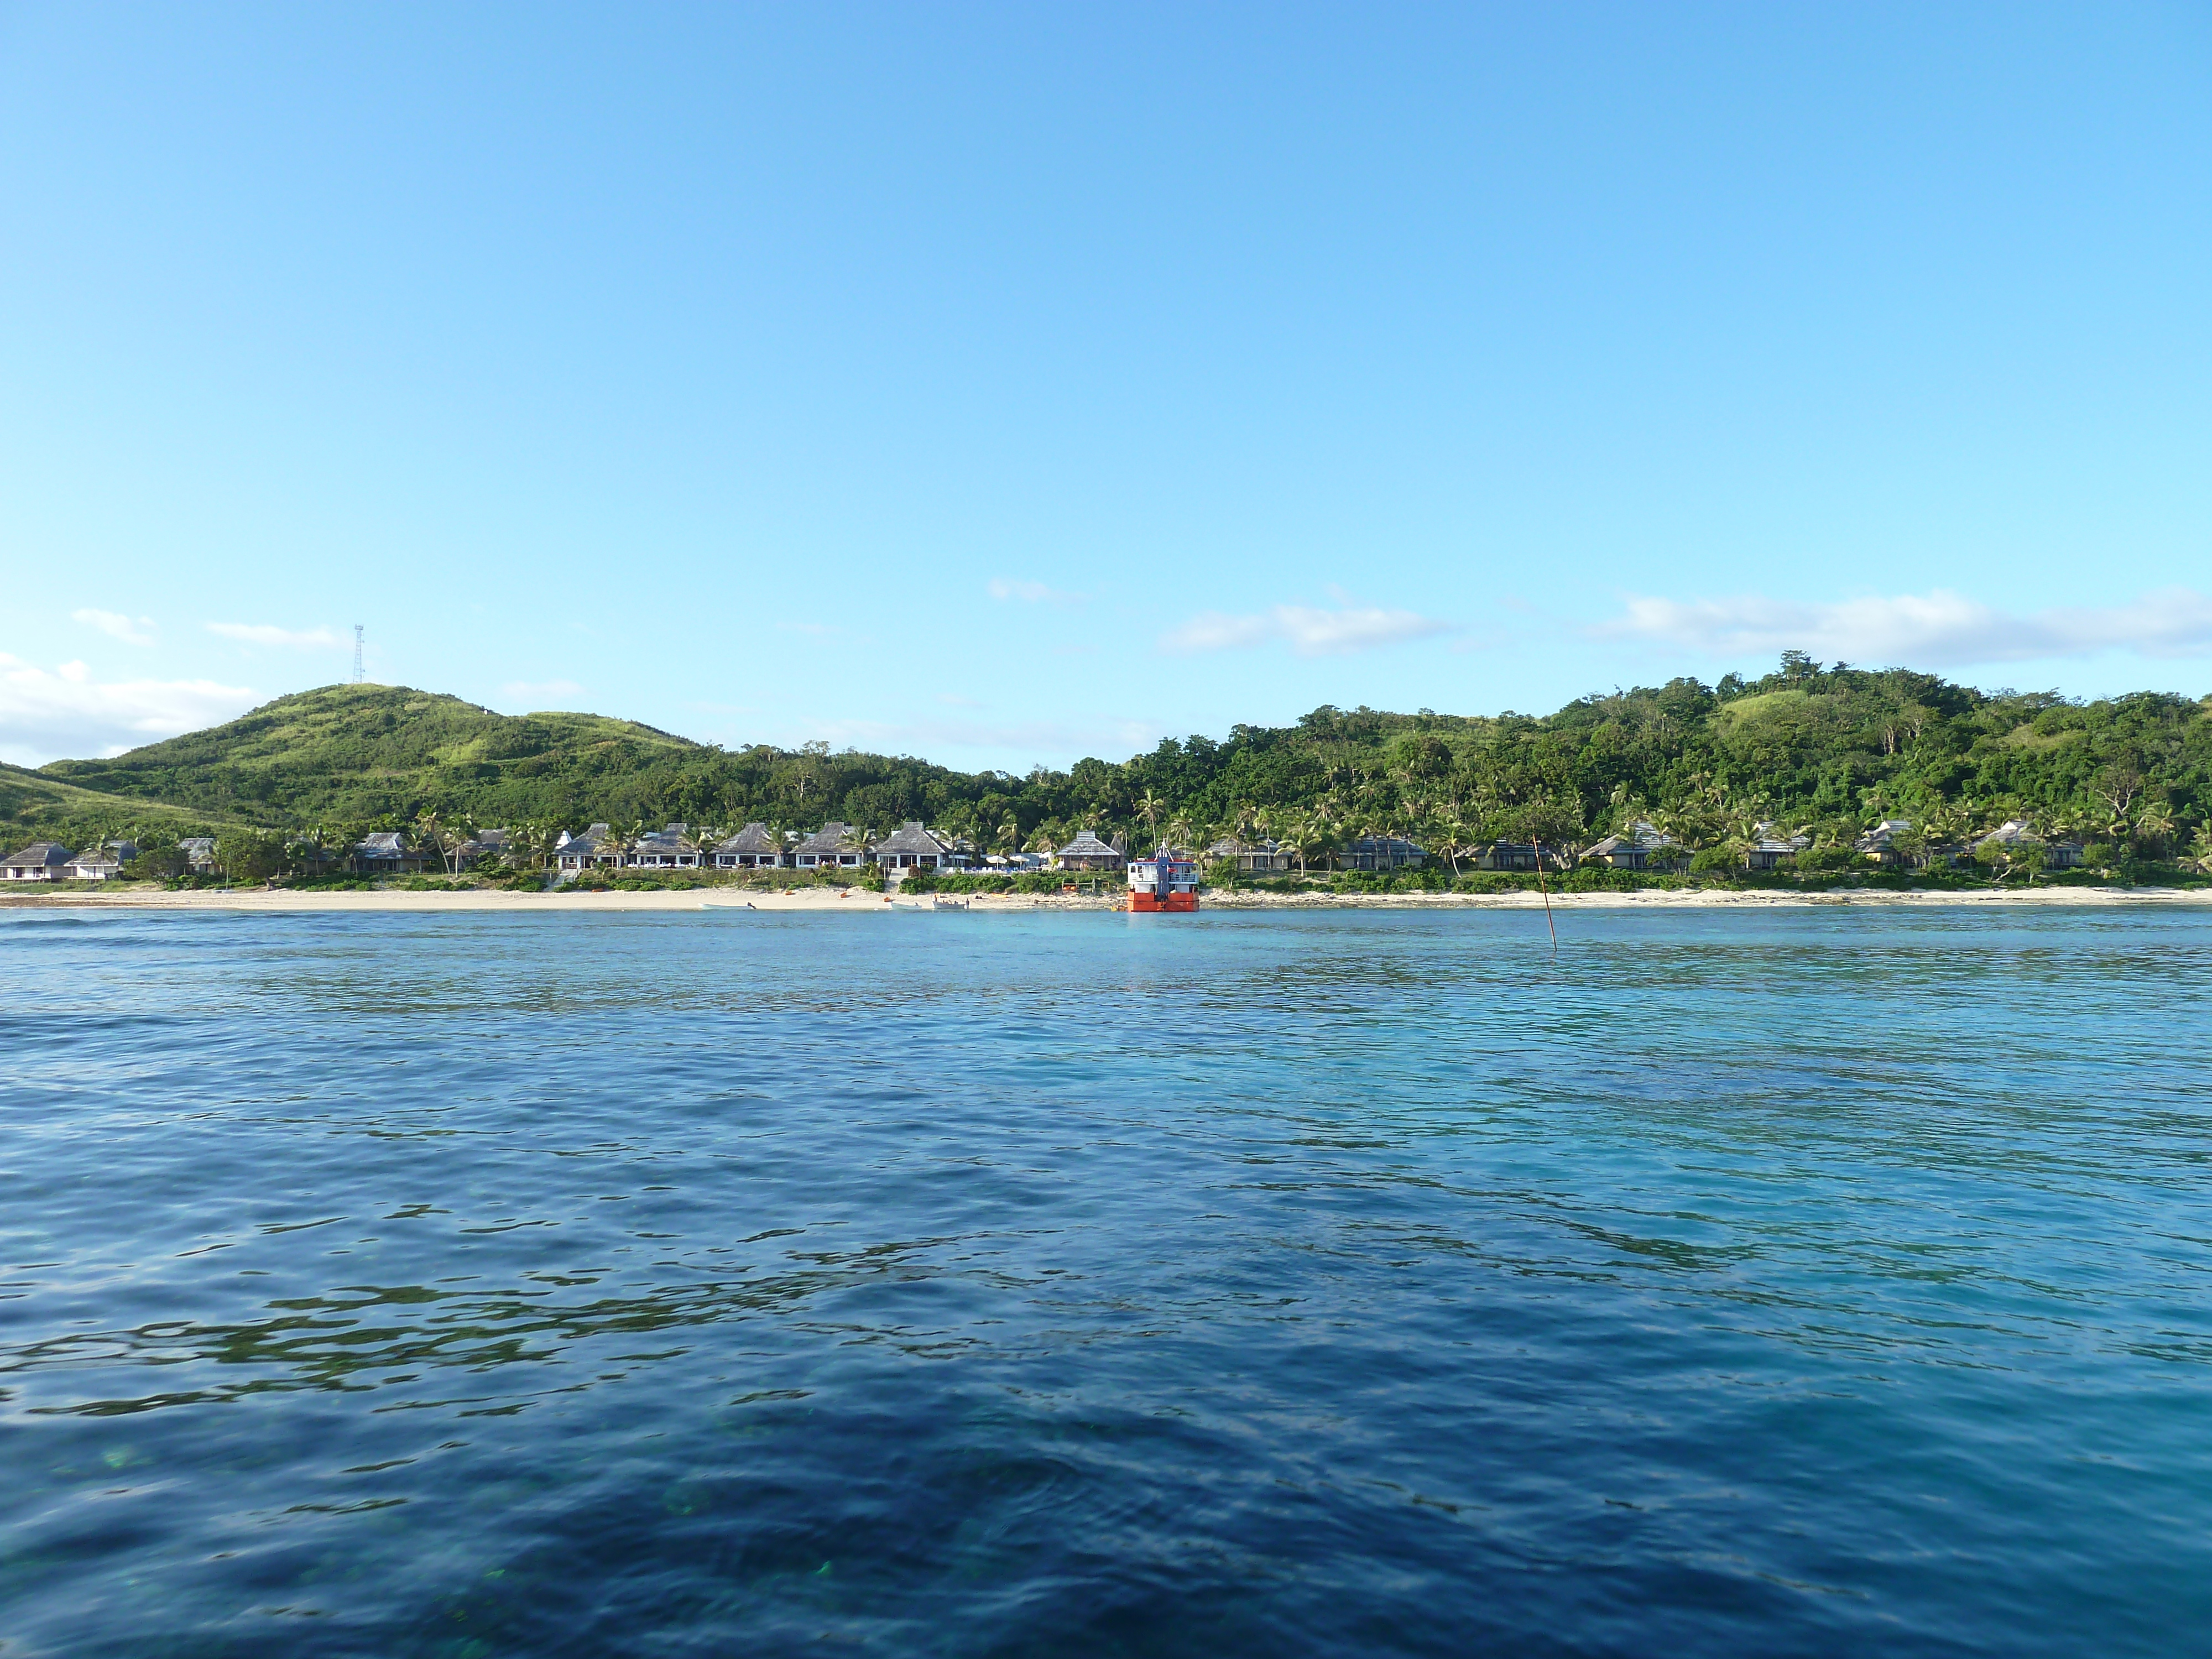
[880, 904]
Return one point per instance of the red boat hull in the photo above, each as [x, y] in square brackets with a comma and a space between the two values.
[1150, 903]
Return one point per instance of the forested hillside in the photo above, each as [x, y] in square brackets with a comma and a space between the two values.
[1825, 750]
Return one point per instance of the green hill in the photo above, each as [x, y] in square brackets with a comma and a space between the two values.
[33, 804]
[1825, 750]
[365, 752]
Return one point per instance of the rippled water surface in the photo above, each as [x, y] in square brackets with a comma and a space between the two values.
[1766, 1283]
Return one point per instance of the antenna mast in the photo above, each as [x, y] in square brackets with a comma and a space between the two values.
[356, 653]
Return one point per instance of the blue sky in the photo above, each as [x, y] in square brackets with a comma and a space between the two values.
[1009, 385]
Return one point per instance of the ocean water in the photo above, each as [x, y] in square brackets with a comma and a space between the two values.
[1782, 1282]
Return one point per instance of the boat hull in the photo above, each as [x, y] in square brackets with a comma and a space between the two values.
[1153, 903]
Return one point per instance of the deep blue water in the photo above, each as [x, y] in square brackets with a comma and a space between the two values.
[1759, 1283]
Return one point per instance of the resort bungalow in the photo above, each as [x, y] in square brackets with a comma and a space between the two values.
[1508, 855]
[672, 848]
[1879, 843]
[484, 844]
[911, 847]
[2017, 833]
[1618, 851]
[1770, 851]
[199, 854]
[1645, 845]
[751, 848]
[102, 861]
[387, 854]
[596, 846]
[1381, 853]
[1252, 858]
[1087, 852]
[833, 847]
[42, 861]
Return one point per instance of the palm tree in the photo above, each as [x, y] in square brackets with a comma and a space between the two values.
[1149, 810]
[432, 828]
[2200, 848]
[1456, 838]
[2154, 826]
[533, 840]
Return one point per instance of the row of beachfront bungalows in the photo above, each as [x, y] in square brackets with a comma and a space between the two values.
[49, 860]
[912, 847]
[1889, 844]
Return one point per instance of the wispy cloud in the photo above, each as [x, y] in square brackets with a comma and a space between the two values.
[1936, 630]
[1005, 587]
[1308, 630]
[117, 626]
[305, 639]
[47, 714]
[526, 691]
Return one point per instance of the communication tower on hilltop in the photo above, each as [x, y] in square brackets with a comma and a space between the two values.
[356, 653]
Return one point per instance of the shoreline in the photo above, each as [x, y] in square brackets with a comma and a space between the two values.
[854, 902]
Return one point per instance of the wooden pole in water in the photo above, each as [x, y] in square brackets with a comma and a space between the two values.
[1547, 892]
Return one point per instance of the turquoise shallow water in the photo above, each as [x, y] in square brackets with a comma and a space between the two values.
[1771, 1283]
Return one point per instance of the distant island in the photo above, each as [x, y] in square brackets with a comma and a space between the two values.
[1809, 769]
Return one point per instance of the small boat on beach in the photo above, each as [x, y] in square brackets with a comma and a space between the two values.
[1162, 883]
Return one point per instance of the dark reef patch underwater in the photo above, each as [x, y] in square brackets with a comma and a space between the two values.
[1753, 1283]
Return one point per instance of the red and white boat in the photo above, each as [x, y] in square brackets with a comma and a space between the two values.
[1163, 881]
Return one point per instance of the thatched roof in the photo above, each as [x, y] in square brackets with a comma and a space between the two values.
[1392, 846]
[675, 838]
[39, 856]
[911, 837]
[1879, 838]
[753, 838]
[830, 840]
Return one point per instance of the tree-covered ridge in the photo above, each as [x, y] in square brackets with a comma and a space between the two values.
[1824, 751]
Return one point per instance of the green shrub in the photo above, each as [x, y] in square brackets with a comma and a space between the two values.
[1827, 860]
[1497, 881]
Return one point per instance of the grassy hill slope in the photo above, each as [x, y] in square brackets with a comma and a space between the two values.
[34, 805]
[370, 752]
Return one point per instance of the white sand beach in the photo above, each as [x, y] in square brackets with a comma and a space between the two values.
[857, 902]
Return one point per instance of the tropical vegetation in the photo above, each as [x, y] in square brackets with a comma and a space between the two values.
[1820, 751]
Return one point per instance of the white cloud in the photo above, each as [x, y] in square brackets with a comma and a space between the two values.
[1308, 630]
[309, 638]
[525, 689]
[1003, 587]
[117, 626]
[46, 715]
[1937, 629]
